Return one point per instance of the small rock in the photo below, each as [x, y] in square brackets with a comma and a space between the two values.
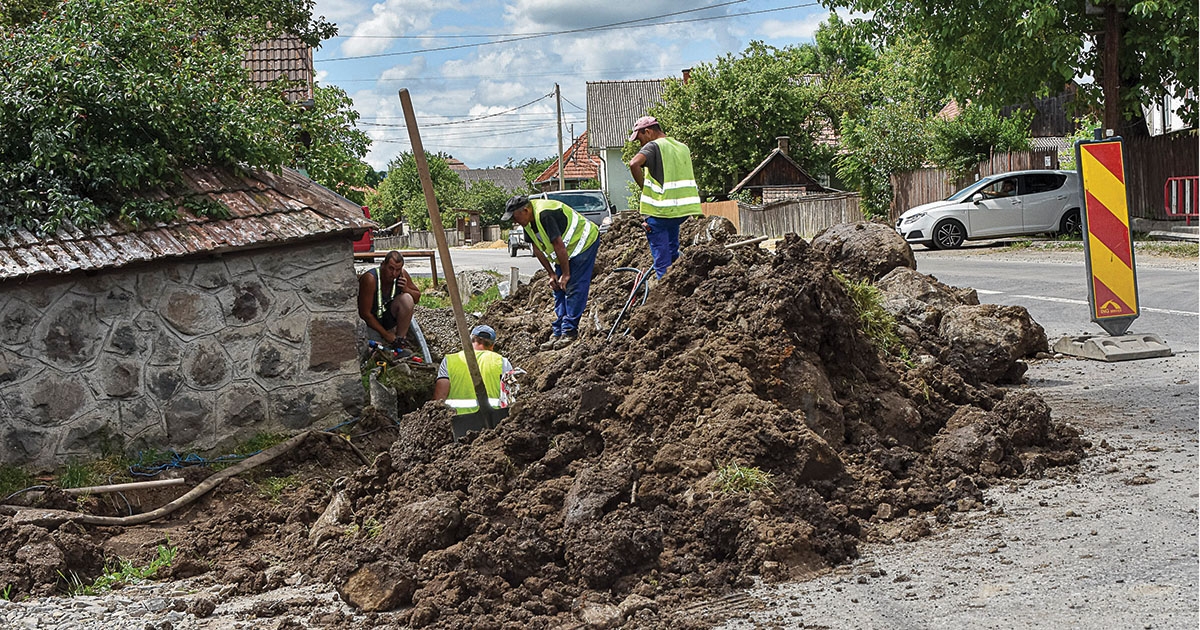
[379, 586]
[600, 616]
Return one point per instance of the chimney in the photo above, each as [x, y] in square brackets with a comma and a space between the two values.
[783, 144]
[687, 74]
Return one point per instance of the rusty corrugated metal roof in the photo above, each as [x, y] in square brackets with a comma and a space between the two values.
[265, 209]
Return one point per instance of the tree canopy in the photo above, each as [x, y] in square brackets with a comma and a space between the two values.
[1004, 53]
[729, 113]
[400, 194]
[103, 99]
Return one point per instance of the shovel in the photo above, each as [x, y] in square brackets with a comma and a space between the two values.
[486, 417]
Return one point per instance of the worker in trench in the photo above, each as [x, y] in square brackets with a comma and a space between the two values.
[663, 170]
[386, 299]
[561, 236]
[454, 384]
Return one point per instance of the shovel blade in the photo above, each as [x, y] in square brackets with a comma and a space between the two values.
[476, 421]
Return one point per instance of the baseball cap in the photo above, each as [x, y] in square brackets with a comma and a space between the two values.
[642, 123]
[513, 204]
[484, 332]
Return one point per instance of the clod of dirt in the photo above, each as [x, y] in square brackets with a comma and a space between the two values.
[379, 586]
[864, 250]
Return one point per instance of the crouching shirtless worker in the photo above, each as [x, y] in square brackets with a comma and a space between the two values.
[386, 298]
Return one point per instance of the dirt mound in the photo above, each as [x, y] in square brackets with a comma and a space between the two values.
[744, 426]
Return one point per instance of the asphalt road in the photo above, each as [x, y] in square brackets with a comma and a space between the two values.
[1054, 290]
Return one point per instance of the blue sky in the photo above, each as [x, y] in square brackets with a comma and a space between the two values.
[389, 45]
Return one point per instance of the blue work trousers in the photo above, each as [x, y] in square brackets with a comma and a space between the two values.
[664, 242]
[569, 304]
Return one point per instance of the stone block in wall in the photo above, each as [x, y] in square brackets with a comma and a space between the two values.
[243, 405]
[240, 343]
[205, 364]
[121, 378]
[53, 401]
[141, 424]
[331, 344]
[191, 312]
[352, 395]
[124, 339]
[245, 303]
[69, 333]
[17, 320]
[274, 361]
[330, 287]
[291, 319]
[164, 382]
[14, 367]
[165, 349]
[318, 406]
[210, 275]
[20, 443]
[96, 433]
[150, 288]
[187, 417]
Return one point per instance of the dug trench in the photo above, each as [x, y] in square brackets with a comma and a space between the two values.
[744, 425]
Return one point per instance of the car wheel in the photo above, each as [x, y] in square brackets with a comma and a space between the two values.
[949, 234]
[1071, 224]
[512, 251]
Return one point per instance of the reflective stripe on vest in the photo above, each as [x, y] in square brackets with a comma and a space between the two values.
[579, 236]
[678, 196]
[462, 390]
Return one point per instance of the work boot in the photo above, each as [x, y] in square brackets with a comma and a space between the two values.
[550, 343]
[564, 341]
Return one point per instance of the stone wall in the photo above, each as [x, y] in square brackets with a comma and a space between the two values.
[186, 354]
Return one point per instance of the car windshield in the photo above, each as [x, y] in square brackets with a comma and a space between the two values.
[970, 190]
[580, 202]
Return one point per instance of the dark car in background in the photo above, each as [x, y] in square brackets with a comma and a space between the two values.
[592, 204]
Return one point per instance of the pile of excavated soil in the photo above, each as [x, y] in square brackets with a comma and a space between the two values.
[607, 497]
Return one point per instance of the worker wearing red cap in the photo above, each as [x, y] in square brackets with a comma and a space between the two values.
[663, 170]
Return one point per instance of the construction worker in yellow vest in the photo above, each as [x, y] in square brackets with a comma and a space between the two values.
[454, 384]
[568, 240]
[663, 170]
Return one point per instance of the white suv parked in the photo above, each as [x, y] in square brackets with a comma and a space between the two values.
[1005, 204]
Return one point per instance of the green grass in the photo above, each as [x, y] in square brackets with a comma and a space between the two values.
[13, 478]
[476, 304]
[733, 478]
[876, 322]
[6, 592]
[1169, 249]
[78, 475]
[1026, 244]
[273, 487]
[124, 572]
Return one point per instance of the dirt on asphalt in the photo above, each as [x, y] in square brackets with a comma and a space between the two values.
[610, 494]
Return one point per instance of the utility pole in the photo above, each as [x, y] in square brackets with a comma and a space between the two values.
[1112, 71]
[558, 100]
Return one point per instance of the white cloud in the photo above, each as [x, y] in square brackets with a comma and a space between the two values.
[392, 18]
[414, 68]
[535, 15]
[338, 10]
[797, 30]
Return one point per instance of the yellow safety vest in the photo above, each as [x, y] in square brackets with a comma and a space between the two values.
[678, 196]
[579, 236]
[462, 390]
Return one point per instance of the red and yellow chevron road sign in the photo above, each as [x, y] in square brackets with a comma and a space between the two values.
[1108, 246]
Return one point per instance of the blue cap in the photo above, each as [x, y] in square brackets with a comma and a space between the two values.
[484, 332]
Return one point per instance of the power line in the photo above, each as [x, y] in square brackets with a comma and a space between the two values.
[604, 27]
[573, 104]
[507, 111]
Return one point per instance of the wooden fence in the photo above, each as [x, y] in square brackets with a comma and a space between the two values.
[422, 239]
[727, 209]
[1149, 162]
[804, 216]
[922, 186]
